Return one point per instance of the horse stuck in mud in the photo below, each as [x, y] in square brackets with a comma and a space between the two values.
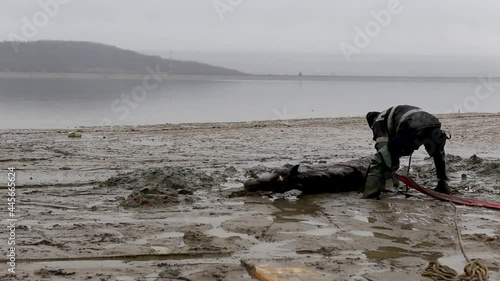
[324, 178]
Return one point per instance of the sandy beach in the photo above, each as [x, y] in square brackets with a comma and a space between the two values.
[82, 213]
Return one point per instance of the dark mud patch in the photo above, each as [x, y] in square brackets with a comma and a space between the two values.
[473, 174]
[383, 253]
[482, 238]
[324, 251]
[157, 187]
[246, 193]
[45, 242]
[196, 238]
[47, 272]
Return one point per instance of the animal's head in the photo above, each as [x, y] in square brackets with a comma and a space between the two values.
[280, 180]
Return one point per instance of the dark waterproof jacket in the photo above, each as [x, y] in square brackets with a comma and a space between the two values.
[398, 119]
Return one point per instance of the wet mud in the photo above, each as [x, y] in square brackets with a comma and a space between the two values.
[167, 202]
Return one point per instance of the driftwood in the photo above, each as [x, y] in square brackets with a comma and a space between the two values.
[324, 178]
[276, 272]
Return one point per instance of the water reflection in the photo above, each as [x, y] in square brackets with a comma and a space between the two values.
[63, 103]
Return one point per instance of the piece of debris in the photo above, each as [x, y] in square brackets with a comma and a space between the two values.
[47, 272]
[74, 135]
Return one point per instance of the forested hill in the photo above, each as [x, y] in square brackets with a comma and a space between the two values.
[88, 57]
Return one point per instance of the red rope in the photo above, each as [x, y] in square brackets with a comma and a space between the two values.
[457, 200]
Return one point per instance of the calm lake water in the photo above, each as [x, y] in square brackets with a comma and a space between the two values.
[68, 103]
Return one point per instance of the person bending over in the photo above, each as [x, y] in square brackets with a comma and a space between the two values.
[397, 132]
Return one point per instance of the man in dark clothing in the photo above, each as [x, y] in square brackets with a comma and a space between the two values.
[397, 132]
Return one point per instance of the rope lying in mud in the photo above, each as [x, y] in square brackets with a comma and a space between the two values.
[473, 271]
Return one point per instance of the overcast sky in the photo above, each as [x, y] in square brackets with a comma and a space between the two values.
[445, 27]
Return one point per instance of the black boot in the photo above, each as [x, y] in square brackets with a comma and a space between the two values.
[440, 167]
[373, 187]
[395, 183]
[439, 162]
[443, 187]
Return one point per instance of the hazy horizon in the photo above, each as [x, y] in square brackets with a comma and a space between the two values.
[426, 27]
[328, 64]
[293, 63]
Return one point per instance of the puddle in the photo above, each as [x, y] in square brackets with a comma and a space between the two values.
[304, 206]
[383, 253]
[400, 240]
[288, 211]
[361, 218]
[315, 223]
[322, 232]
[228, 186]
[125, 278]
[344, 239]
[365, 219]
[234, 203]
[425, 245]
[316, 232]
[222, 233]
[362, 233]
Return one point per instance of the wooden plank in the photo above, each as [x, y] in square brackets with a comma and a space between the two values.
[273, 272]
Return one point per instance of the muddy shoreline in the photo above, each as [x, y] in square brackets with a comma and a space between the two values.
[77, 220]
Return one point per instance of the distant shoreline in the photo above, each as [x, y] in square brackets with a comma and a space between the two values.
[190, 77]
[217, 124]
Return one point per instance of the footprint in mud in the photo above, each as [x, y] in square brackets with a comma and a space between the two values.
[196, 238]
